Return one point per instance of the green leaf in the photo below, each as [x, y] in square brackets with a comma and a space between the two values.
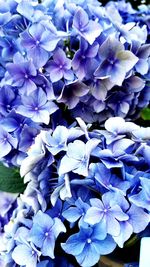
[145, 114]
[10, 180]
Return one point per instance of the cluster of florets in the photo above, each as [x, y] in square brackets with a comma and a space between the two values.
[75, 55]
[87, 192]
[66, 68]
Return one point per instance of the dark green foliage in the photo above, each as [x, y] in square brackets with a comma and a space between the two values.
[10, 180]
[145, 114]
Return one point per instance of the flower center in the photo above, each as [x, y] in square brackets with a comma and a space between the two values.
[46, 234]
[89, 240]
[8, 107]
[33, 252]
[36, 108]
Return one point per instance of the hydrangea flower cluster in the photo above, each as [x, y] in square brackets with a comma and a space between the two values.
[73, 76]
[87, 192]
[71, 55]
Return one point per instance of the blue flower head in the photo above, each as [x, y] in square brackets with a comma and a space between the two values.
[86, 184]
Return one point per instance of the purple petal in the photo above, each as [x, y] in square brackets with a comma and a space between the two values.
[26, 40]
[56, 74]
[68, 75]
[28, 87]
[59, 57]
[24, 111]
[39, 56]
[92, 51]
[117, 74]
[80, 19]
[144, 51]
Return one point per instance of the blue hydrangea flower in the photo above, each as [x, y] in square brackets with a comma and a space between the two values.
[58, 141]
[44, 232]
[39, 41]
[60, 67]
[26, 254]
[72, 93]
[83, 58]
[106, 179]
[115, 61]
[7, 206]
[76, 212]
[28, 135]
[56, 211]
[36, 107]
[88, 29]
[108, 212]
[88, 245]
[22, 74]
[78, 154]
